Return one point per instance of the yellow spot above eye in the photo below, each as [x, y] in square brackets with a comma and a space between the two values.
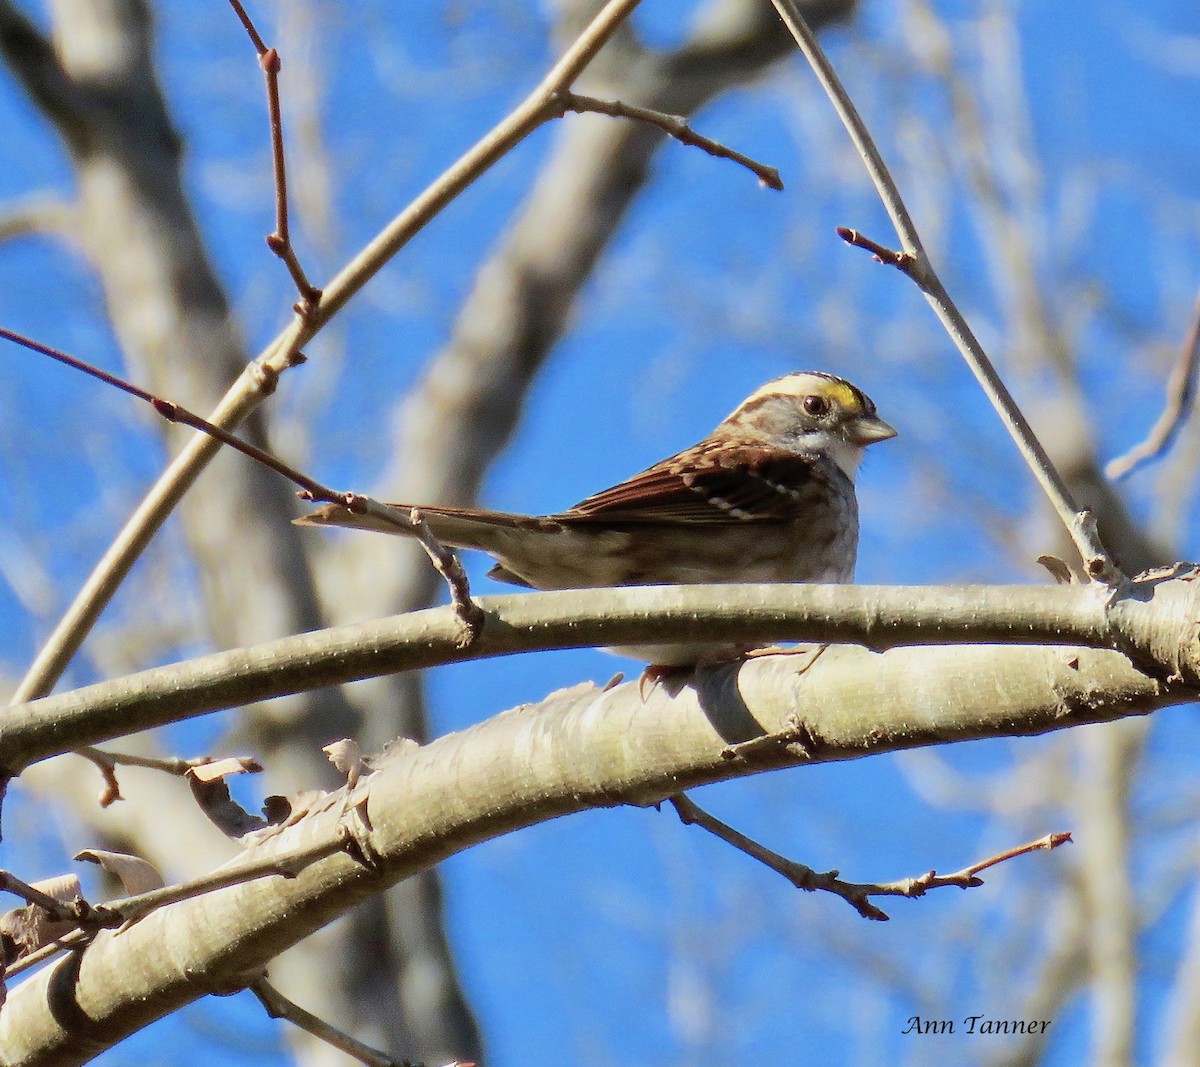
[837, 392]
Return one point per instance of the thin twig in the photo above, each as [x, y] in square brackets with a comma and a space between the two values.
[279, 1007]
[111, 792]
[447, 564]
[797, 738]
[675, 125]
[1052, 840]
[107, 762]
[1079, 522]
[259, 45]
[891, 257]
[279, 242]
[444, 561]
[118, 912]
[63, 911]
[1181, 399]
[280, 864]
[856, 894]
[173, 412]
[176, 766]
[74, 939]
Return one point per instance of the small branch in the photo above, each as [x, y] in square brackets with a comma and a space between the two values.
[111, 792]
[108, 762]
[1181, 398]
[797, 739]
[798, 874]
[447, 564]
[1052, 840]
[674, 125]
[279, 242]
[173, 412]
[123, 910]
[914, 261]
[903, 261]
[444, 561]
[176, 766]
[74, 939]
[279, 1007]
[37, 215]
[76, 911]
[281, 865]
[856, 894]
[259, 44]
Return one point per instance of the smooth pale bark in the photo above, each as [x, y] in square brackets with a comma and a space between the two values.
[1153, 620]
[581, 748]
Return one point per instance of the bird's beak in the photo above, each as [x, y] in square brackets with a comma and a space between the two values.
[867, 429]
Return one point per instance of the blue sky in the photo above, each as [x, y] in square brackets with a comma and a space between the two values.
[618, 936]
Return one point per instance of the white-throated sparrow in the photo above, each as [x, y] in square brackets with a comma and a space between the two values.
[768, 496]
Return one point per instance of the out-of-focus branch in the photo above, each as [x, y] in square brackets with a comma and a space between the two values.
[1104, 787]
[1182, 1028]
[37, 215]
[1181, 399]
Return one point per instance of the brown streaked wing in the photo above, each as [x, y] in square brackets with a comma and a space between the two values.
[762, 485]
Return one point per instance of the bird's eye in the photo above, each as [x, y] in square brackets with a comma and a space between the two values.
[816, 406]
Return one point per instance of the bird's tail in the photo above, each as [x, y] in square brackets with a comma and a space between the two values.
[458, 527]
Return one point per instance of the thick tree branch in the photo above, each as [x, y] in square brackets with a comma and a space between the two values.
[1156, 621]
[581, 748]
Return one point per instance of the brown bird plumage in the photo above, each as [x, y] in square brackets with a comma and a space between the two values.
[768, 496]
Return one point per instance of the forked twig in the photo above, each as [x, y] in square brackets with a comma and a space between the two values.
[74, 911]
[914, 262]
[107, 762]
[279, 865]
[856, 894]
[92, 917]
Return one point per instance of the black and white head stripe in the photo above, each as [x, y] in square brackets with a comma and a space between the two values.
[842, 395]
